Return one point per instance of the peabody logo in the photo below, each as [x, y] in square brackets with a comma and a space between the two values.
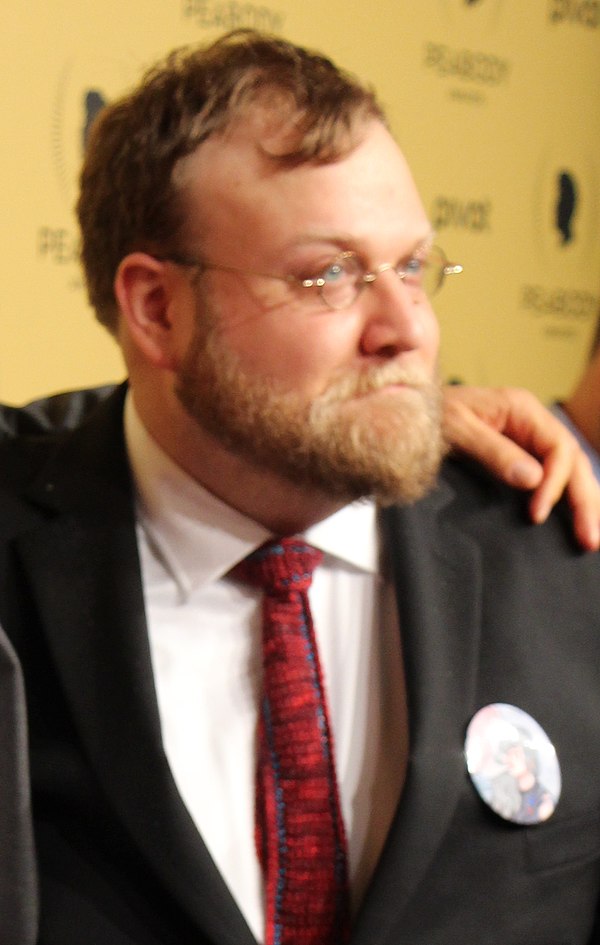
[570, 306]
[468, 65]
[230, 15]
[578, 12]
[469, 72]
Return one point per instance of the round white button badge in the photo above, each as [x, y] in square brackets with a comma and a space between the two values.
[512, 764]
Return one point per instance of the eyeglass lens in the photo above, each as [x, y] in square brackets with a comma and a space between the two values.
[344, 278]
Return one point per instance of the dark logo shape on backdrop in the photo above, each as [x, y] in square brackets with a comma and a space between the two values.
[564, 239]
[84, 85]
[471, 2]
[93, 103]
[566, 206]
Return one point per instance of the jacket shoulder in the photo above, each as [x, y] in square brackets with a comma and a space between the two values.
[64, 468]
[62, 411]
[468, 500]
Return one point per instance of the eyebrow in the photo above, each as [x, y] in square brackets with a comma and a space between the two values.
[347, 240]
[426, 243]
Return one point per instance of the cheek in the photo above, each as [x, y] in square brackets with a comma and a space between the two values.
[303, 358]
[431, 339]
[297, 348]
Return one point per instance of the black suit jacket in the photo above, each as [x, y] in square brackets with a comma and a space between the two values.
[491, 610]
[18, 895]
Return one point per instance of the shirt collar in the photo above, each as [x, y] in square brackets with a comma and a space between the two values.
[200, 538]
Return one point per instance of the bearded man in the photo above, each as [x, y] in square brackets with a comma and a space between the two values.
[254, 619]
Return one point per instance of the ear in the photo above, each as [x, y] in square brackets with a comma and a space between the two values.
[144, 287]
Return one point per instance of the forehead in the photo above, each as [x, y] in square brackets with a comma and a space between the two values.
[239, 200]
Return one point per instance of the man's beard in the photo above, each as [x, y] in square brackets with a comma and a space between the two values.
[348, 443]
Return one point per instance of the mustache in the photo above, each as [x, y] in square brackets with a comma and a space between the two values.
[373, 378]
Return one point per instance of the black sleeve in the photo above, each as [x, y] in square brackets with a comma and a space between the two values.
[18, 906]
[58, 412]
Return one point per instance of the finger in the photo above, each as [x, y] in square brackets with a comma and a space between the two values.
[479, 420]
[559, 467]
[538, 431]
[583, 493]
[501, 456]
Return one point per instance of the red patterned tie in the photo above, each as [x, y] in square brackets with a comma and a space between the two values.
[299, 829]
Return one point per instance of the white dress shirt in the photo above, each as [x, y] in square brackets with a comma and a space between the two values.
[205, 641]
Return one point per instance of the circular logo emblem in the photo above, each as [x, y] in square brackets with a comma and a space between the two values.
[82, 90]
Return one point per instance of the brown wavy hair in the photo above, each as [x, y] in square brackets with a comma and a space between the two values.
[129, 200]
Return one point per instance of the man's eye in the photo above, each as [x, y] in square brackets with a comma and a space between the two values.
[414, 268]
[335, 272]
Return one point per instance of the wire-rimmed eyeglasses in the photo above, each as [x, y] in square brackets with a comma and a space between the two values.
[341, 281]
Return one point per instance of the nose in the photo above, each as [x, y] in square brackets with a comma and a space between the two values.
[396, 317]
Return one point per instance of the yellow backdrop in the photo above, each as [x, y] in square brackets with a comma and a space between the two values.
[496, 104]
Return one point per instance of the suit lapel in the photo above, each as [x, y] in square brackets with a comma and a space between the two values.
[437, 575]
[98, 639]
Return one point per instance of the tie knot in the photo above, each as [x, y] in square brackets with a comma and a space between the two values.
[280, 566]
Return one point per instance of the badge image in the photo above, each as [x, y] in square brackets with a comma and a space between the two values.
[513, 764]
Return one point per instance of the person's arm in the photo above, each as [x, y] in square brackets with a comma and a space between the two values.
[510, 432]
